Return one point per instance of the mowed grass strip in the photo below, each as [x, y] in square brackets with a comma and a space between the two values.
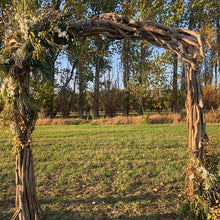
[105, 172]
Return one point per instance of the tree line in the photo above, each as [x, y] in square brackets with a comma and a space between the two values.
[147, 79]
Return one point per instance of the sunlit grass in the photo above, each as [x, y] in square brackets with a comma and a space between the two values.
[105, 172]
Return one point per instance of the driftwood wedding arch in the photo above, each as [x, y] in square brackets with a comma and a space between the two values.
[187, 44]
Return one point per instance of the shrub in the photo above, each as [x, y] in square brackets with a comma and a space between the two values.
[213, 117]
[119, 120]
[164, 119]
[60, 121]
[210, 97]
[202, 181]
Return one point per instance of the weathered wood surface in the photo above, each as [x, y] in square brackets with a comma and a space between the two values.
[187, 44]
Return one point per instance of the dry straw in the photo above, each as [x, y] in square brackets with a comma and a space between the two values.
[119, 120]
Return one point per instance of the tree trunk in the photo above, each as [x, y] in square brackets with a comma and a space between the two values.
[96, 90]
[27, 206]
[26, 199]
[81, 91]
[53, 54]
[142, 79]
[141, 107]
[175, 93]
[216, 76]
[64, 103]
[126, 106]
[183, 87]
[218, 57]
[218, 39]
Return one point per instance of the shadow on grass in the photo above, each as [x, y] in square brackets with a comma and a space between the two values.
[71, 216]
[7, 209]
[68, 209]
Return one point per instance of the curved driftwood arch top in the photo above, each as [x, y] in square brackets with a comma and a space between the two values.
[187, 44]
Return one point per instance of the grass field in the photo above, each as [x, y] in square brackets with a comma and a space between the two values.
[105, 172]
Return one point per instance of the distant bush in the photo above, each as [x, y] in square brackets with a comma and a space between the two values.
[119, 120]
[59, 121]
[213, 117]
[211, 97]
[164, 119]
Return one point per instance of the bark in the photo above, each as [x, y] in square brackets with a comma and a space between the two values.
[96, 85]
[175, 93]
[198, 140]
[142, 63]
[27, 206]
[218, 40]
[26, 199]
[195, 114]
[141, 107]
[81, 95]
[64, 96]
[126, 76]
[183, 87]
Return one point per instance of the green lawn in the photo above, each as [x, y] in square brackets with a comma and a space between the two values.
[105, 172]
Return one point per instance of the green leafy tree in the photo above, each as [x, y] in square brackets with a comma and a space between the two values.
[204, 17]
[147, 82]
[141, 59]
[128, 8]
[100, 48]
[43, 96]
[84, 76]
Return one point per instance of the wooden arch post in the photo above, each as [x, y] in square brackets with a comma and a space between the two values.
[198, 139]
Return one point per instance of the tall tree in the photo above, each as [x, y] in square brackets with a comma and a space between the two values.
[101, 48]
[203, 16]
[84, 76]
[175, 19]
[129, 9]
[43, 84]
[126, 75]
[66, 93]
[147, 82]
[155, 11]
